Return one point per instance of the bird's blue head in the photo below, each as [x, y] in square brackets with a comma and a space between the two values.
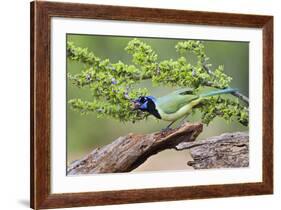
[146, 104]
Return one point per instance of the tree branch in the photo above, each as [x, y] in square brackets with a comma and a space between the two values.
[128, 152]
[237, 94]
[228, 150]
[241, 97]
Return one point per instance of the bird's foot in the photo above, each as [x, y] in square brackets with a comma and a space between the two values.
[183, 121]
[166, 129]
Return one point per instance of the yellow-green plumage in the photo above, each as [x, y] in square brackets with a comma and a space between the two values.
[180, 103]
[176, 105]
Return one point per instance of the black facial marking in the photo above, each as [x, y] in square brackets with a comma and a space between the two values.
[142, 99]
[152, 109]
[146, 104]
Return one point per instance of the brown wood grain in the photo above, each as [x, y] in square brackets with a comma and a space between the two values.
[41, 14]
[268, 104]
[228, 150]
[128, 152]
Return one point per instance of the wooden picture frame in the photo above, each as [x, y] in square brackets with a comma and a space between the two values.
[41, 14]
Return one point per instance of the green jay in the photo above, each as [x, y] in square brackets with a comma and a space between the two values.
[175, 105]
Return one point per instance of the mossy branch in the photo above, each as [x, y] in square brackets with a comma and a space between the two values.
[113, 85]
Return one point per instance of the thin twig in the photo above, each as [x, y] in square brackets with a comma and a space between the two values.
[237, 94]
[241, 97]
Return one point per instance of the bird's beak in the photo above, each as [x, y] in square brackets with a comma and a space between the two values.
[135, 105]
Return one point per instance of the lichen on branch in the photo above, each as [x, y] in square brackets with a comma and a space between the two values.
[114, 85]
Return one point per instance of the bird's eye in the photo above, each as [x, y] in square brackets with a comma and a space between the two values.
[142, 99]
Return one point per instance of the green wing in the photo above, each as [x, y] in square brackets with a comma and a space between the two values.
[184, 91]
[172, 102]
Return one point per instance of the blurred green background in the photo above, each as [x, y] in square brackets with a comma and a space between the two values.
[86, 132]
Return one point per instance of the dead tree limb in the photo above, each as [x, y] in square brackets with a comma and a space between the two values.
[228, 150]
[128, 152]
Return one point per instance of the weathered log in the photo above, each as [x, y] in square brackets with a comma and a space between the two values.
[128, 152]
[229, 150]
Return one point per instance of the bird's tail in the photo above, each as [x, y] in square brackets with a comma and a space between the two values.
[219, 92]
